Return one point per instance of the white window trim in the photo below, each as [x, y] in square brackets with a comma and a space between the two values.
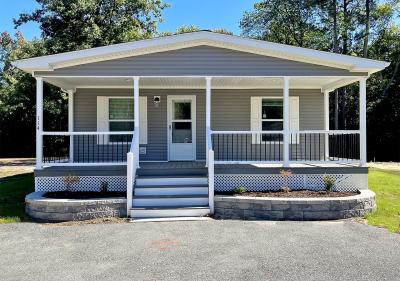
[103, 118]
[256, 121]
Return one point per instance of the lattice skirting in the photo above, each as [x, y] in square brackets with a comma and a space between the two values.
[257, 182]
[86, 183]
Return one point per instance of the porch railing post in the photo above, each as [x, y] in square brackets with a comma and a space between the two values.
[136, 116]
[208, 114]
[39, 122]
[71, 124]
[363, 121]
[286, 132]
[326, 121]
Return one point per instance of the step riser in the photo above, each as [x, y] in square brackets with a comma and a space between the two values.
[168, 213]
[170, 181]
[166, 202]
[171, 191]
[172, 172]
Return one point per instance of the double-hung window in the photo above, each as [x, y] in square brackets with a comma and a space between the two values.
[271, 117]
[267, 115]
[117, 114]
[121, 117]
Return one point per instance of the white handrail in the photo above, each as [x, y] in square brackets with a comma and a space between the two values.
[331, 132]
[292, 131]
[131, 166]
[210, 166]
[245, 132]
[86, 133]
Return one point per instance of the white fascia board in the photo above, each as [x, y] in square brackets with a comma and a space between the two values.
[338, 84]
[160, 44]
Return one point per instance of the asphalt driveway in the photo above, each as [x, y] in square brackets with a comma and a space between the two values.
[201, 250]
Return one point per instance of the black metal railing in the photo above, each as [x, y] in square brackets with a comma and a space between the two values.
[324, 147]
[247, 146]
[87, 148]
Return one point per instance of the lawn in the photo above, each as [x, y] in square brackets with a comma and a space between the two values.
[12, 197]
[386, 185]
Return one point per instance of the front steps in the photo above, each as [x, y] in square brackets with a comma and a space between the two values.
[170, 195]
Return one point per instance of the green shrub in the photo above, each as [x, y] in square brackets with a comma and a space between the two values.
[239, 190]
[104, 187]
[329, 183]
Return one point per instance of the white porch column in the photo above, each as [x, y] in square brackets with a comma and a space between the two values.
[71, 124]
[39, 122]
[363, 121]
[136, 115]
[286, 130]
[208, 113]
[326, 121]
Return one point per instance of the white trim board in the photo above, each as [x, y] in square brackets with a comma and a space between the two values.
[186, 40]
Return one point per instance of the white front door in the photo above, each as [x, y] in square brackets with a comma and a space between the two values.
[181, 128]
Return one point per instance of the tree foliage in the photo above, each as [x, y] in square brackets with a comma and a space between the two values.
[69, 25]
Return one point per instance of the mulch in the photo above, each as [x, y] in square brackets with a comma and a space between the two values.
[83, 194]
[296, 194]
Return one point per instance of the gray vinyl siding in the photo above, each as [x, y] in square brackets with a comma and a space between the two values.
[230, 111]
[201, 60]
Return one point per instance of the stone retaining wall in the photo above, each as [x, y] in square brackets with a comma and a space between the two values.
[57, 210]
[273, 208]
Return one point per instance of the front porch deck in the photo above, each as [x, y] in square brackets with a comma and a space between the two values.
[182, 166]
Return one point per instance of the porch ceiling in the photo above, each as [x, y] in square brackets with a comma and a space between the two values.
[323, 83]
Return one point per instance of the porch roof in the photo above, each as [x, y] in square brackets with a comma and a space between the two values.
[193, 82]
[187, 40]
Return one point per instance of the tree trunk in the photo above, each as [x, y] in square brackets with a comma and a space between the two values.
[367, 24]
[335, 29]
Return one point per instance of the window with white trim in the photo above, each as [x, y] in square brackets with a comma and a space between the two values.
[117, 114]
[121, 116]
[267, 115]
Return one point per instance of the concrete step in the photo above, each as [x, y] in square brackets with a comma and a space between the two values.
[168, 212]
[171, 190]
[170, 200]
[169, 180]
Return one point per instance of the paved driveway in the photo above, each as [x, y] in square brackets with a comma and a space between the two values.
[202, 250]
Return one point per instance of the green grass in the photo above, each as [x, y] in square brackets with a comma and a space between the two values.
[12, 197]
[386, 185]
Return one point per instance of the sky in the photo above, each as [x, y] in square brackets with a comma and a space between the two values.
[206, 14]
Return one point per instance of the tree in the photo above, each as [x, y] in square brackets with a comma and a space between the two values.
[69, 25]
[288, 22]
[17, 98]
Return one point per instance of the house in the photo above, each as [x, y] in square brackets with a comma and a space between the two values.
[171, 120]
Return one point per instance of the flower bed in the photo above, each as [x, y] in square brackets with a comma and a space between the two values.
[279, 208]
[57, 210]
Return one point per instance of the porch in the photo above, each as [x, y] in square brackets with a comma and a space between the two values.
[232, 122]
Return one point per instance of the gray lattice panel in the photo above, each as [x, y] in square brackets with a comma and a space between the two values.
[86, 183]
[257, 182]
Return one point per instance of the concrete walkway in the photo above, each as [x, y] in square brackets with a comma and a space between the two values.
[200, 250]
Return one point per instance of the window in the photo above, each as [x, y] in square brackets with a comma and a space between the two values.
[267, 115]
[120, 117]
[118, 114]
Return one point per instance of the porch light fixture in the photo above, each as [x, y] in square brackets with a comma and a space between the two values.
[156, 100]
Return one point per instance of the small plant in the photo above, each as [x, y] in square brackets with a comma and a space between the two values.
[69, 181]
[286, 189]
[104, 187]
[285, 175]
[329, 183]
[239, 190]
